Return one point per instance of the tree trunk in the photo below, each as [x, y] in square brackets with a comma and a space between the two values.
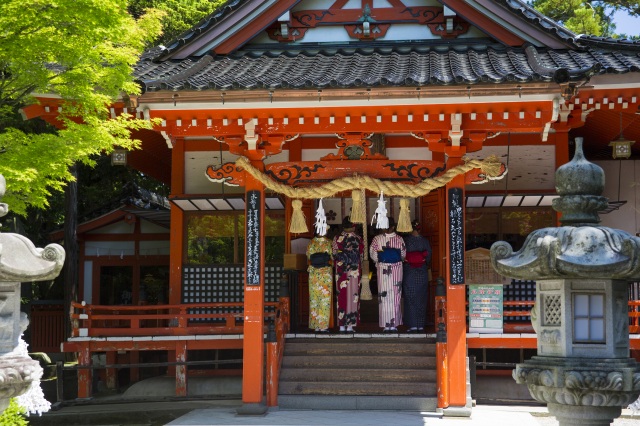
[70, 271]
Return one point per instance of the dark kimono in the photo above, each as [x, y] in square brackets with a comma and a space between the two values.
[416, 280]
[347, 256]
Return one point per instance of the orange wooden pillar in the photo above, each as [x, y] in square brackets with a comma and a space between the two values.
[562, 157]
[112, 373]
[456, 346]
[176, 237]
[253, 343]
[85, 375]
[181, 370]
[442, 364]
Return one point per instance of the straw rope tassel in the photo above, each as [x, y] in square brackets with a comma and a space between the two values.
[298, 223]
[365, 291]
[404, 217]
[321, 220]
[357, 213]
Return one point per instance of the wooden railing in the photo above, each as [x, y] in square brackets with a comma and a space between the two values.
[46, 327]
[634, 316]
[509, 312]
[161, 320]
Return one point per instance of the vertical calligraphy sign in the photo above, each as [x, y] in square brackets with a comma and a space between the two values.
[456, 237]
[254, 204]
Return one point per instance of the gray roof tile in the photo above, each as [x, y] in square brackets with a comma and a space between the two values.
[372, 67]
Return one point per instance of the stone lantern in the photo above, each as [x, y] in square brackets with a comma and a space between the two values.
[582, 370]
[20, 261]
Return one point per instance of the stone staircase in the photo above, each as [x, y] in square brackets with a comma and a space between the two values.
[356, 373]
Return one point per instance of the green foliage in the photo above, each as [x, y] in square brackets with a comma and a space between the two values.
[83, 51]
[14, 415]
[594, 17]
[180, 15]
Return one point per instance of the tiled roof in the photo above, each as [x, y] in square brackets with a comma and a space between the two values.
[523, 10]
[378, 67]
[210, 21]
[520, 8]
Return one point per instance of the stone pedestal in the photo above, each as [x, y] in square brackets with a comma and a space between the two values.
[581, 385]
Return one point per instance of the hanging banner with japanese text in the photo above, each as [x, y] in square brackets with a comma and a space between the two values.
[485, 308]
[456, 237]
[254, 206]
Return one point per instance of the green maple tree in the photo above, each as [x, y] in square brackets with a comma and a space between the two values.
[593, 17]
[83, 52]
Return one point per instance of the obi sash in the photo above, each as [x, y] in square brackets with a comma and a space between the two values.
[389, 255]
[320, 260]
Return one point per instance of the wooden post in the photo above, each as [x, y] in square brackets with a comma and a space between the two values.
[272, 366]
[85, 375]
[253, 343]
[134, 372]
[442, 368]
[562, 157]
[112, 373]
[176, 235]
[456, 324]
[181, 370]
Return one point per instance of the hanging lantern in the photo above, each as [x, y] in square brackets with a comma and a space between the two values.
[119, 157]
[621, 146]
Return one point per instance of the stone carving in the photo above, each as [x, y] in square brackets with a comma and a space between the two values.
[601, 380]
[550, 337]
[552, 309]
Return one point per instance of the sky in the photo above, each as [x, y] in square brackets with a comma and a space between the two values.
[626, 24]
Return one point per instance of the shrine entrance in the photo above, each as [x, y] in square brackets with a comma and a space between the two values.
[357, 178]
[336, 209]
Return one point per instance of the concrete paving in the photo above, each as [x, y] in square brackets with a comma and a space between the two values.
[487, 415]
[223, 412]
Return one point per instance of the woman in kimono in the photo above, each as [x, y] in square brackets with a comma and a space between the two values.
[319, 255]
[388, 251]
[347, 253]
[415, 279]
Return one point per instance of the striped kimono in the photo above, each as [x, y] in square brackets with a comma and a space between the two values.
[389, 279]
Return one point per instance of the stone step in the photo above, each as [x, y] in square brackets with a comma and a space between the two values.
[321, 402]
[357, 375]
[358, 361]
[357, 388]
[331, 347]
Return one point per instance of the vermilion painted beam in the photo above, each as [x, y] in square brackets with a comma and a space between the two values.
[502, 342]
[249, 31]
[487, 24]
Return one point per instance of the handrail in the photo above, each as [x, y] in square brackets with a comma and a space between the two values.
[174, 320]
[634, 312]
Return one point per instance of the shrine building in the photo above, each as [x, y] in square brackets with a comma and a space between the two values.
[463, 108]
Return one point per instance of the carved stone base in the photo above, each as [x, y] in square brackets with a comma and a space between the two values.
[581, 391]
[571, 415]
[16, 375]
